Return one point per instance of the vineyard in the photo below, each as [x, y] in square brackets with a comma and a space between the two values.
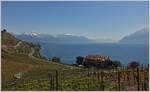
[85, 79]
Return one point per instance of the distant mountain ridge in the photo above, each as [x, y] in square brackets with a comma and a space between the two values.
[46, 38]
[138, 37]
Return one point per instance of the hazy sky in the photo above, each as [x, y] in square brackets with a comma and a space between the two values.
[111, 19]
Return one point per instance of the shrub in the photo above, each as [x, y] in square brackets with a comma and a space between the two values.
[116, 64]
[133, 64]
[79, 60]
[56, 59]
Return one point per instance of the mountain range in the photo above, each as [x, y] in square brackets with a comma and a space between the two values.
[46, 38]
[138, 37]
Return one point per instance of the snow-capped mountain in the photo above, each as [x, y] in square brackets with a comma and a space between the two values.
[138, 37]
[46, 38]
[31, 33]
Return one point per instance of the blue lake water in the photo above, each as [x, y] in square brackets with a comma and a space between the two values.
[122, 52]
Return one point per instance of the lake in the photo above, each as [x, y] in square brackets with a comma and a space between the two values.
[122, 52]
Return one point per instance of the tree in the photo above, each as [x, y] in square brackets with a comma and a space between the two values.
[79, 60]
[116, 64]
[133, 65]
[56, 59]
[4, 30]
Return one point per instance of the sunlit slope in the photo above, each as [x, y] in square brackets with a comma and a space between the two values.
[16, 60]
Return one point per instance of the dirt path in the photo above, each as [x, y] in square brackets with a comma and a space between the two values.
[32, 56]
[18, 44]
[70, 67]
[31, 53]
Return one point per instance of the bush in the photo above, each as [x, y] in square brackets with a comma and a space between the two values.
[133, 64]
[56, 59]
[79, 60]
[116, 64]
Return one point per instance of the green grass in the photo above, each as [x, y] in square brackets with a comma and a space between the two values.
[70, 84]
[35, 75]
[31, 69]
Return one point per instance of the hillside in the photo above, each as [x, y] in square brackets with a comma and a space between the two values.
[24, 70]
[138, 37]
[18, 58]
[8, 39]
[12, 45]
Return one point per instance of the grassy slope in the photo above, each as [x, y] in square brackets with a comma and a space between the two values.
[17, 60]
[8, 39]
[14, 63]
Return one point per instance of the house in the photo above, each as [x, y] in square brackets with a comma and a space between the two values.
[97, 58]
[98, 61]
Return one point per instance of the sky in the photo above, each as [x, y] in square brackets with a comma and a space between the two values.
[96, 20]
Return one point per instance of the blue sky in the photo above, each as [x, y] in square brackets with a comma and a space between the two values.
[111, 19]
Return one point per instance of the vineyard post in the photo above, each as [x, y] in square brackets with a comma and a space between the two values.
[142, 85]
[145, 81]
[53, 78]
[119, 80]
[147, 78]
[116, 70]
[124, 77]
[52, 82]
[142, 67]
[50, 78]
[143, 77]
[27, 83]
[128, 77]
[88, 78]
[138, 81]
[102, 81]
[123, 71]
[39, 82]
[134, 76]
[79, 82]
[145, 84]
[60, 81]
[98, 78]
[93, 72]
[71, 84]
[56, 80]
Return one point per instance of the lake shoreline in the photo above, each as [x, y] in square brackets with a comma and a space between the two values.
[68, 57]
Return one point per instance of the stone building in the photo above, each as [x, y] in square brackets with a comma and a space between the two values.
[98, 61]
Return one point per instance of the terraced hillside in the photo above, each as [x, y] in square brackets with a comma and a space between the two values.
[12, 45]
[21, 60]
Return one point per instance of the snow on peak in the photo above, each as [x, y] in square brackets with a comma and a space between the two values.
[31, 33]
[68, 34]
